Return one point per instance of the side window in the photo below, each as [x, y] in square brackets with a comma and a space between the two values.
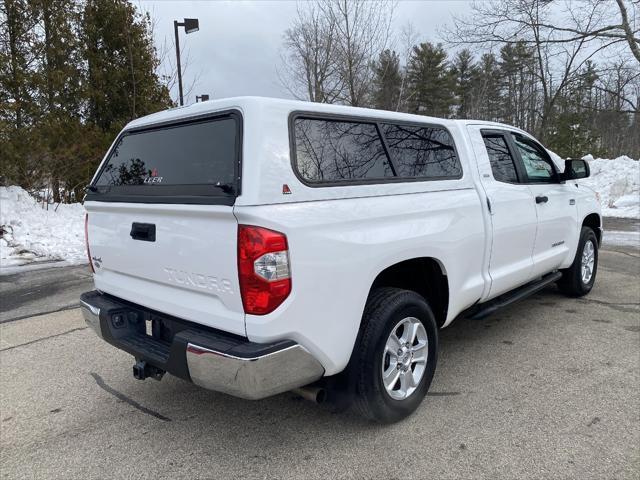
[502, 164]
[537, 164]
[422, 151]
[332, 151]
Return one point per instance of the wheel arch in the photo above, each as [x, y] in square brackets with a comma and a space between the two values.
[594, 221]
[427, 276]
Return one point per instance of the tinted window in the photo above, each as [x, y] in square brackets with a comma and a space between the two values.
[422, 151]
[329, 151]
[536, 163]
[502, 166]
[203, 153]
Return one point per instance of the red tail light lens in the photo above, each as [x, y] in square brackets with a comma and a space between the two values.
[263, 268]
[86, 241]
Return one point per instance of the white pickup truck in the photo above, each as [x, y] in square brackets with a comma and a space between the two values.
[255, 246]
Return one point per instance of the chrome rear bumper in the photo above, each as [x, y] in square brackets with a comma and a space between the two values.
[91, 316]
[211, 359]
[255, 376]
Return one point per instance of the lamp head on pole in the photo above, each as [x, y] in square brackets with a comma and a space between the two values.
[191, 25]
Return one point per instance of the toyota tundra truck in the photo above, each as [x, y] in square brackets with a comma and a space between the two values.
[255, 246]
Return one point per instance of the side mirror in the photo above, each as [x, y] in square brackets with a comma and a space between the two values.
[575, 168]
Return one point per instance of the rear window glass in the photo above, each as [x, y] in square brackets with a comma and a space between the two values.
[192, 154]
[502, 165]
[331, 151]
[422, 151]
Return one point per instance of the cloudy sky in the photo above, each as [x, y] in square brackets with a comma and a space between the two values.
[237, 50]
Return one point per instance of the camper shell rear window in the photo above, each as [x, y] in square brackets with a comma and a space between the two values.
[194, 161]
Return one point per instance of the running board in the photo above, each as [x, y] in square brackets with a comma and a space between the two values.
[486, 309]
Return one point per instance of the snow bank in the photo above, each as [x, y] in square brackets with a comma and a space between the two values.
[32, 233]
[618, 183]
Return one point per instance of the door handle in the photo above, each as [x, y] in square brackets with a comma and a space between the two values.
[143, 231]
[542, 199]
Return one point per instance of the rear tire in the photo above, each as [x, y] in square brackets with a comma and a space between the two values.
[578, 279]
[396, 356]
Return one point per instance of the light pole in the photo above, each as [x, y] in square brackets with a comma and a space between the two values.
[190, 25]
[203, 98]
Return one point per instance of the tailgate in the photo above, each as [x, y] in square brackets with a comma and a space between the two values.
[188, 271]
[161, 228]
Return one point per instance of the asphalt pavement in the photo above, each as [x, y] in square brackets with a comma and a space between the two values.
[45, 290]
[547, 388]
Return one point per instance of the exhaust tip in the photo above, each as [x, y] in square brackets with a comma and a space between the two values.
[313, 394]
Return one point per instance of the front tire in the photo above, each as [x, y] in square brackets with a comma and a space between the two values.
[578, 279]
[396, 355]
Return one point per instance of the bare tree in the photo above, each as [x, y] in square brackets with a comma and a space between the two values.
[408, 38]
[598, 21]
[363, 29]
[630, 33]
[563, 39]
[309, 58]
[329, 51]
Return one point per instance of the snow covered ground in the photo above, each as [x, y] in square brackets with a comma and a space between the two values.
[618, 183]
[31, 233]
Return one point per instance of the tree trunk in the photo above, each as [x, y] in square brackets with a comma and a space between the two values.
[628, 33]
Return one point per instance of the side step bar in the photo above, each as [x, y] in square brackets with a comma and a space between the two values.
[486, 309]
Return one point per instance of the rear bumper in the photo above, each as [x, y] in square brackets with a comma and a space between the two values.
[211, 359]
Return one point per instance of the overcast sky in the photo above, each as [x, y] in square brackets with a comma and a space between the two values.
[237, 50]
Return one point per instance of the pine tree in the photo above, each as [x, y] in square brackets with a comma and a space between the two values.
[18, 107]
[465, 74]
[487, 90]
[430, 81]
[59, 90]
[121, 65]
[517, 84]
[387, 81]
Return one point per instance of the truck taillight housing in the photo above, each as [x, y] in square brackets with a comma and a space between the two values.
[263, 269]
[86, 241]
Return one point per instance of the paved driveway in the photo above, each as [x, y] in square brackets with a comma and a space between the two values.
[548, 388]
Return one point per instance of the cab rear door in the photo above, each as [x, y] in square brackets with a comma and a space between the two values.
[512, 209]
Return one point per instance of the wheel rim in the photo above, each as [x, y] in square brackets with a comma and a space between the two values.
[588, 261]
[404, 360]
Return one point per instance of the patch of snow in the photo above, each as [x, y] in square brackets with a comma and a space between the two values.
[617, 181]
[31, 233]
[622, 238]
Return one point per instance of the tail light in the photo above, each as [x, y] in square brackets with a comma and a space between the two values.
[86, 241]
[263, 269]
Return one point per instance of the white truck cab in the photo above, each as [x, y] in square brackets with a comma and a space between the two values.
[256, 245]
